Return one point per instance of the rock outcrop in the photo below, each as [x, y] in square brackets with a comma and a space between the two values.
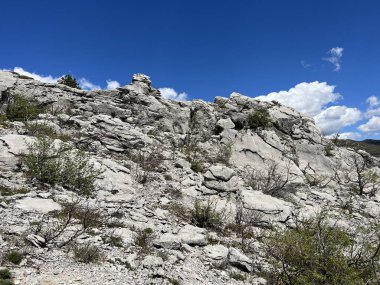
[158, 158]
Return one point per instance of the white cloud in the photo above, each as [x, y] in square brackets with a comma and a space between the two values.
[332, 119]
[42, 78]
[87, 85]
[308, 98]
[335, 57]
[305, 64]
[112, 84]
[350, 135]
[373, 101]
[373, 125]
[170, 93]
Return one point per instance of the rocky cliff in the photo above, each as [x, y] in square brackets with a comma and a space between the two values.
[161, 160]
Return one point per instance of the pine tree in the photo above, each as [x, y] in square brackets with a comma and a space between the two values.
[70, 81]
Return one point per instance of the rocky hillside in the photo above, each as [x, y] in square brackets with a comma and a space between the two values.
[126, 187]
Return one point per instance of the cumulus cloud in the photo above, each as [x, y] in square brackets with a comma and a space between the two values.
[112, 84]
[373, 125]
[335, 57]
[170, 93]
[347, 135]
[313, 99]
[42, 78]
[87, 85]
[332, 119]
[308, 98]
[373, 106]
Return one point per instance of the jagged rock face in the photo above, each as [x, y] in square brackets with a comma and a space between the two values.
[156, 153]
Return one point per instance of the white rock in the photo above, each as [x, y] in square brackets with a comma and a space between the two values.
[37, 205]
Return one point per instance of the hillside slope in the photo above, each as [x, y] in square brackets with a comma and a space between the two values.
[158, 161]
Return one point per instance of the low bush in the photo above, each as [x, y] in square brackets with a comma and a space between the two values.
[61, 165]
[22, 109]
[207, 216]
[259, 119]
[14, 257]
[316, 252]
[88, 253]
[144, 239]
[65, 226]
[5, 274]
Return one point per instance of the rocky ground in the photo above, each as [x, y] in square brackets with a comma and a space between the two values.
[158, 160]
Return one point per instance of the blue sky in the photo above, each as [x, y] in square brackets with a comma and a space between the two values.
[212, 48]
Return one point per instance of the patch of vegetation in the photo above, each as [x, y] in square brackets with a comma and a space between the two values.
[144, 239]
[69, 80]
[174, 281]
[370, 146]
[197, 166]
[22, 109]
[61, 165]
[273, 181]
[6, 282]
[260, 118]
[44, 130]
[65, 226]
[207, 216]
[224, 153]
[329, 149]
[113, 240]
[237, 276]
[316, 252]
[5, 274]
[14, 257]
[7, 191]
[88, 253]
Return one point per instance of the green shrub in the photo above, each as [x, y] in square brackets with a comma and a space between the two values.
[207, 216]
[14, 257]
[88, 253]
[329, 149]
[259, 119]
[69, 80]
[144, 239]
[6, 282]
[197, 165]
[61, 165]
[44, 130]
[316, 253]
[5, 274]
[22, 109]
[237, 276]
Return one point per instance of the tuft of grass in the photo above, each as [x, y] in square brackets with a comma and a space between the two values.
[207, 216]
[237, 276]
[144, 239]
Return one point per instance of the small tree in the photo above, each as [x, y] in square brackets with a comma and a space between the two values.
[69, 80]
[361, 180]
[273, 181]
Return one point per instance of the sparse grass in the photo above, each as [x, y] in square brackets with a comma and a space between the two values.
[237, 276]
[197, 166]
[14, 257]
[144, 239]
[7, 191]
[88, 253]
[113, 240]
[44, 130]
[329, 149]
[207, 216]
[174, 281]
